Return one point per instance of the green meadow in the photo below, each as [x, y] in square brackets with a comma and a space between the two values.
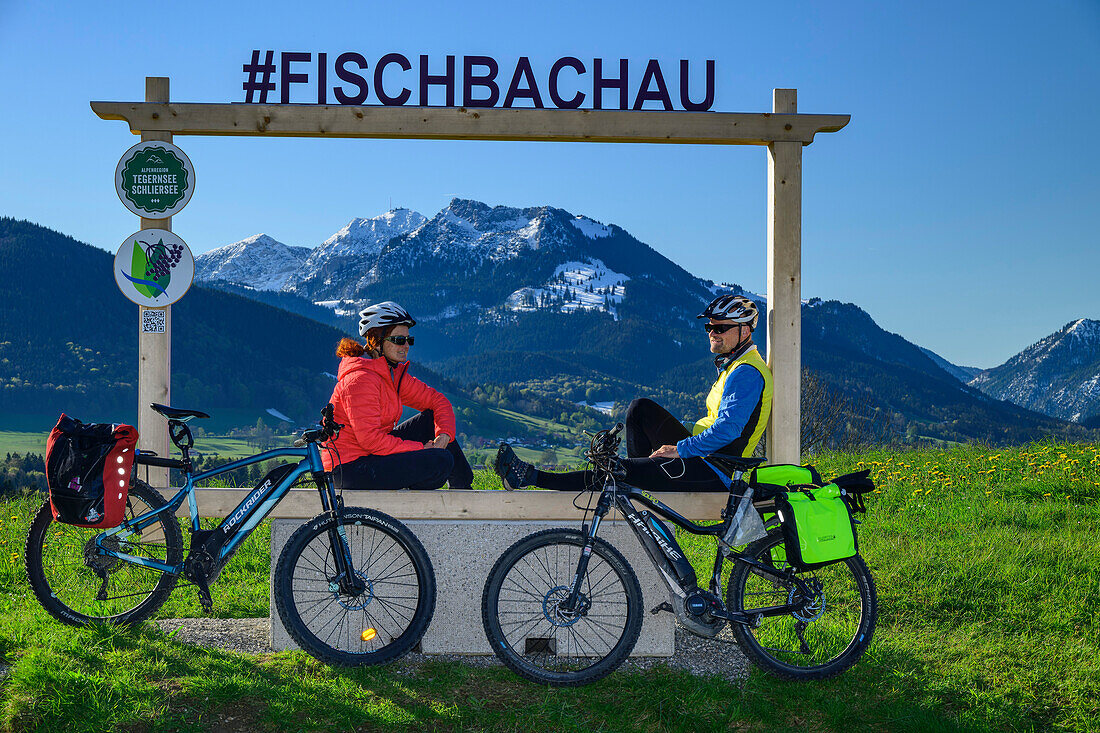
[989, 600]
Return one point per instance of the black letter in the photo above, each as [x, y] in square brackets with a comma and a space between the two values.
[287, 58]
[447, 80]
[351, 77]
[400, 99]
[523, 71]
[471, 80]
[560, 64]
[653, 72]
[599, 84]
[322, 78]
[685, 100]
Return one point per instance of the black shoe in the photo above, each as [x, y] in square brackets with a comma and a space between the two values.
[514, 473]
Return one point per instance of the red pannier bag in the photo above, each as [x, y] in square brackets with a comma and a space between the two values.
[88, 471]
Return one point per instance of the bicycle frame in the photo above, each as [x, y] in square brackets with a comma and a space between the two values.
[260, 501]
[666, 554]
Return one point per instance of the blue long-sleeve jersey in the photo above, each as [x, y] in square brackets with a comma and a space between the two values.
[740, 395]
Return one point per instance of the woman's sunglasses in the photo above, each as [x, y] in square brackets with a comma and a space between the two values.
[400, 340]
[719, 327]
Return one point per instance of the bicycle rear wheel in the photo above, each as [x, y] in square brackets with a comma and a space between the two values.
[77, 585]
[826, 637]
[378, 625]
[543, 642]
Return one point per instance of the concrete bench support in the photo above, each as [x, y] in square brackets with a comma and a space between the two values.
[464, 551]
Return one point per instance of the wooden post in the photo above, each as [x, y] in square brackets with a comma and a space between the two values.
[154, 349]
[785, 287]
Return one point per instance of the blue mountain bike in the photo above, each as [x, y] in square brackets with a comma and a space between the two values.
[353, 586]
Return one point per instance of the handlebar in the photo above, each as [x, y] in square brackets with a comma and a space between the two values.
[328, 431]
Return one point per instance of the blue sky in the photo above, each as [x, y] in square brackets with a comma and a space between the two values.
[959, 207]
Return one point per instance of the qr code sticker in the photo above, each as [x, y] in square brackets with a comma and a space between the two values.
[152, 321]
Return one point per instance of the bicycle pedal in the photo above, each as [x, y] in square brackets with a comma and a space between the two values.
[664, 606]
[206, 601]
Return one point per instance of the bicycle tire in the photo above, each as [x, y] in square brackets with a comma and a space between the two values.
[328, 625]
[60, 565]
[558, 658]
[839, 621]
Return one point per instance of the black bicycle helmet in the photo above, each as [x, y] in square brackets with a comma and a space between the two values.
[736, 308]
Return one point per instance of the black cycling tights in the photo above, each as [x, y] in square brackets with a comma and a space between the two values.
[648, 427]
[419, 469]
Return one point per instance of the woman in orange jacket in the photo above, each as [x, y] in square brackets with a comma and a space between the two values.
[373, 451]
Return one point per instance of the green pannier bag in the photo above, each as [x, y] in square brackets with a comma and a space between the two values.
[784, 474]
[818, 529]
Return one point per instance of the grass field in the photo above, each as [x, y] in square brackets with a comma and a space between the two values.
[989, 620]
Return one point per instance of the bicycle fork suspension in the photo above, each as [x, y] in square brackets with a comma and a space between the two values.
[575, 602]
[346, 578]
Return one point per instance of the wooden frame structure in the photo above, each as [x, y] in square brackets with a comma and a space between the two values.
[783, 131]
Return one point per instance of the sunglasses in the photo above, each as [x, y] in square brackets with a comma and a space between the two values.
[719, 327]
[401, 340]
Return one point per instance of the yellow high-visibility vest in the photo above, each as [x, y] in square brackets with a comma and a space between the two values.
[746, 443]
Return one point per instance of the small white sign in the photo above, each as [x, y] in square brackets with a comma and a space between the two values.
[154, 268]
[154, 179]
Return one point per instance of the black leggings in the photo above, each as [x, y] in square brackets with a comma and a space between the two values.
[419, 469]
[648, 427]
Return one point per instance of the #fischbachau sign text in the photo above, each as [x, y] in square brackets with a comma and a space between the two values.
[394, 80]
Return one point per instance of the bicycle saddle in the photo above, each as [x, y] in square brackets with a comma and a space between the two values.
[175, 413]
[734, 463]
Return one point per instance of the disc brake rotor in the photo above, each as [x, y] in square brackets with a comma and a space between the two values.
[558, 616]
[353, 603]
[813, 608]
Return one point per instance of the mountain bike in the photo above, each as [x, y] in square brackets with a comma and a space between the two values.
[353, 586]
[563, 607]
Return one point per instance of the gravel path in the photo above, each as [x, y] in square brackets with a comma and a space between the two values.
[694, 654]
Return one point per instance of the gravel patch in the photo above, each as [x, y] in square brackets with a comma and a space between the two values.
[244, 635]
[703, 657]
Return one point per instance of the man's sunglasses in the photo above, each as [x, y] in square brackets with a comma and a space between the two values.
[719, 327]
[401, 340]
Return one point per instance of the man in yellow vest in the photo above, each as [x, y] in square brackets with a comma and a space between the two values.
[662, 454]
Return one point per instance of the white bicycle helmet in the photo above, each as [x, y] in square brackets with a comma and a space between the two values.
[736, 308]
[386, 313]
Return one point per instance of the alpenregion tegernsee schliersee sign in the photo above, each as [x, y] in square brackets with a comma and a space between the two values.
[394, 80]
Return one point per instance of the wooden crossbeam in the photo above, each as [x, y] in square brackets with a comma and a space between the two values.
[461, 123]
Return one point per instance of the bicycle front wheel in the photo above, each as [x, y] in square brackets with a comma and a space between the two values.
[383, 621]
[530, 629]
[826, 636]
[76, 584]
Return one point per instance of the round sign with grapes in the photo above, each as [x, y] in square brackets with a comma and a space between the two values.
[154, 268]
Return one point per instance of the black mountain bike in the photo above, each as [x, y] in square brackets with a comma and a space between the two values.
[353, 586]
[563, 607]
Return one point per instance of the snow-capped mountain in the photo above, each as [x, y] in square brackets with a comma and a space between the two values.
[1059, 375]
[258, 262]
[471, 256]
[262, 263]
[365, 237]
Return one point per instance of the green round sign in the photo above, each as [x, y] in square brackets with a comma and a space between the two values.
[154, 179]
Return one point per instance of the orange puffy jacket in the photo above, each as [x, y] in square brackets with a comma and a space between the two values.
[367, 401]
